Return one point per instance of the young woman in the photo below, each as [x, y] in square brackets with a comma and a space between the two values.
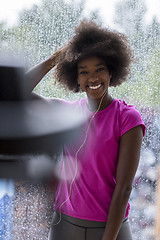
[93, 202]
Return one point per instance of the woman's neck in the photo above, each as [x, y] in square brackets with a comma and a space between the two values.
[99, 104]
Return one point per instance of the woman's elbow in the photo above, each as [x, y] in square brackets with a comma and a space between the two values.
[127, 192]
[124, 192]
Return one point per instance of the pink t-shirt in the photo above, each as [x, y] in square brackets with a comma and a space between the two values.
[93, 187]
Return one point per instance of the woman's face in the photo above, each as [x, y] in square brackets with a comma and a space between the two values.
[93, 77]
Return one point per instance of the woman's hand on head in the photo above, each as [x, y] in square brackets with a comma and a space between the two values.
[58, 55]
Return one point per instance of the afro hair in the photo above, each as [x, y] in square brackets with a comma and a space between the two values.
[92, 40]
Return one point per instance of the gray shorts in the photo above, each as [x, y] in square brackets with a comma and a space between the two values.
[69, 228]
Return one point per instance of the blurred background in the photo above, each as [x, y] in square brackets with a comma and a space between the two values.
[33, 30]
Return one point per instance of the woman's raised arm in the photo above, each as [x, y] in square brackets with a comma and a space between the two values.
[36, 73]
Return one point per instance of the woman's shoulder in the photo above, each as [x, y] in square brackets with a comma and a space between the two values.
[57, 101]
[124, 108]
[62, 108]
[122, 104]
[129, 115]
[76, 104]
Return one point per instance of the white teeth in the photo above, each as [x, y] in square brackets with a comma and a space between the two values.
[95, 87]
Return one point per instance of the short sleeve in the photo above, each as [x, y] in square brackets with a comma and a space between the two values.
[130, 118]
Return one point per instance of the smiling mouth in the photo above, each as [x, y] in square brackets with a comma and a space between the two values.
[95, 87]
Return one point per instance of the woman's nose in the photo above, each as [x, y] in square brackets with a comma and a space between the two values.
[93, 77]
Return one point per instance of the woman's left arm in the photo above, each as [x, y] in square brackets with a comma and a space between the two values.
[128, 159]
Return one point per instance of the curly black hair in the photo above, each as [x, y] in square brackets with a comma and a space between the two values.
[92, 40]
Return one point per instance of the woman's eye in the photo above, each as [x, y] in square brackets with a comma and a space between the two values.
[100, 69]
[83, 72]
